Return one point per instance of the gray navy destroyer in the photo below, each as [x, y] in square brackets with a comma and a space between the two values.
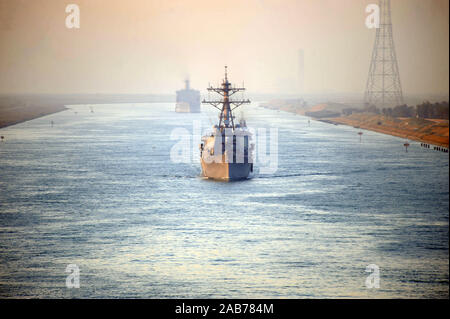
[188, 100]
[227, 152]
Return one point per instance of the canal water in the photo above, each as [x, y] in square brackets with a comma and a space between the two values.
[99, 190]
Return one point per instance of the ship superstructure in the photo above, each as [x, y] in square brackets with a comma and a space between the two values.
[188, 100]
[227, 153]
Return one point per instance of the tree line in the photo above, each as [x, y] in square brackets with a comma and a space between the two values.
[438, 110]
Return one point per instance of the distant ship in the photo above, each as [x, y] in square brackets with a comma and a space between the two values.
[227, 153]
[188, 100]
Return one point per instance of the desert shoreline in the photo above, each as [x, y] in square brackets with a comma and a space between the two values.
[30, 116]
[19, 108]
[429, 131]
[432, 138]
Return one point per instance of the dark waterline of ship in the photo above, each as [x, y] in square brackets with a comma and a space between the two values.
[99, 190]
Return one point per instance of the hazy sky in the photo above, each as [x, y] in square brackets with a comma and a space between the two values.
[150, 46]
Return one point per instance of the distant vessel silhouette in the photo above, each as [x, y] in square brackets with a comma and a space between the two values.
[188, 100]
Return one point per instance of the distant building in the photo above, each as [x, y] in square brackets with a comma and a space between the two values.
[188, 100]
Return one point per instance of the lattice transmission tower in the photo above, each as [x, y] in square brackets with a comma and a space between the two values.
[383, 88]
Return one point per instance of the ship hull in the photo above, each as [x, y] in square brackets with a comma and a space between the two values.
[226, 171]
[183, 107]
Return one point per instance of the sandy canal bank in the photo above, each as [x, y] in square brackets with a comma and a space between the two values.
[429, 131]
[18, 108]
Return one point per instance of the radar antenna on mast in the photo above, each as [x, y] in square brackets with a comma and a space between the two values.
[226, 110]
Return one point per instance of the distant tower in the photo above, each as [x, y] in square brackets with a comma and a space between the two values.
[301, 71]
[383, 88]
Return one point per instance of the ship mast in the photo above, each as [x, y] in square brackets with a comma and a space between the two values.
[226, 109]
